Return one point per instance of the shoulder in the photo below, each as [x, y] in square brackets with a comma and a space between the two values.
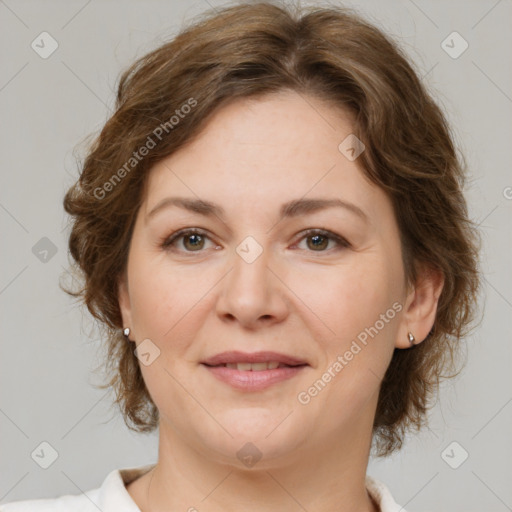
[71, 503]
[382, 496]
[112, 496]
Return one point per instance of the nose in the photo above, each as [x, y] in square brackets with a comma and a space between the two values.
[253, 294]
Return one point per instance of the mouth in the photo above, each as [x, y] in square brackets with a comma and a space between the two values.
[255, 367]
[255, 360]
[253, 372]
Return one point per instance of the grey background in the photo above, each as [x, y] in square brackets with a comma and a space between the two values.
[49, 346]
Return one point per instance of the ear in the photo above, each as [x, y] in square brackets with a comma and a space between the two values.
[124, 301]
[420, 307]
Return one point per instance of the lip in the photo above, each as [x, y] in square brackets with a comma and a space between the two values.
[235, 356]
[253, 380]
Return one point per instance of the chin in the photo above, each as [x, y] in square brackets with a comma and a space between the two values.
[259, 437]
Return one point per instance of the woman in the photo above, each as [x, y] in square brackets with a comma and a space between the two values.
[272, 228]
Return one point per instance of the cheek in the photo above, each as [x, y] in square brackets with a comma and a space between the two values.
[158, 295]
[168, 301]
[153, 300]
[349, 298]
[361, 304]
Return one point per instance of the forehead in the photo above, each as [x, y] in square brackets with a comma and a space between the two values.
[266, 151]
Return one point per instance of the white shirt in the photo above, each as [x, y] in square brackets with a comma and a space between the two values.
[112, 496]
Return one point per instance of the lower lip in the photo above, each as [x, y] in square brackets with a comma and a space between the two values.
[253, 380]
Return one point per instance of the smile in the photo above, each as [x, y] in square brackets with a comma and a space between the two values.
[255, 367]
[251, 377]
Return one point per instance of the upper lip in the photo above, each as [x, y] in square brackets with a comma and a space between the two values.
[235, 356]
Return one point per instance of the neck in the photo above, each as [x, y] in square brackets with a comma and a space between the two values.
[328, 476]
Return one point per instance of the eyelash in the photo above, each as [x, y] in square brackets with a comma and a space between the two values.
[168, 242]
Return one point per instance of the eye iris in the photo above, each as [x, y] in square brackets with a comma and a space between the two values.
[316, 238]
[198, 240]
[195, 241]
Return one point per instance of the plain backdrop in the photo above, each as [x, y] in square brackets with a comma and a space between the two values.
[49, 346]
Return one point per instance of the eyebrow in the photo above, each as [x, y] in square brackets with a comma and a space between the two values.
[293, 208]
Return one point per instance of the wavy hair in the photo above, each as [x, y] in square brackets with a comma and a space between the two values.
[252, 50]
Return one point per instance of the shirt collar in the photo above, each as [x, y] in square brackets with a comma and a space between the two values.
[113, 495]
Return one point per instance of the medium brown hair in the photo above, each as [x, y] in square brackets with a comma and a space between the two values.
[251, 50]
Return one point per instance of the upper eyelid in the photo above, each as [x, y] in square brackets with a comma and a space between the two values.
[338, 239]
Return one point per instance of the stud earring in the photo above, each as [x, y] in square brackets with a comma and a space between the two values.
[411, 337]
[126, 332]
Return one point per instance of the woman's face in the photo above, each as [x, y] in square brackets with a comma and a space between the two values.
[250, 278]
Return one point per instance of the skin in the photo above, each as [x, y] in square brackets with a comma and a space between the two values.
[202, 298]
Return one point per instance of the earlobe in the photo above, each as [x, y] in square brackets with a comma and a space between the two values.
[124, 301]
[420, 308]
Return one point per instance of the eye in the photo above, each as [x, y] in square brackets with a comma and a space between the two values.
[318, 239]
[193, 240]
